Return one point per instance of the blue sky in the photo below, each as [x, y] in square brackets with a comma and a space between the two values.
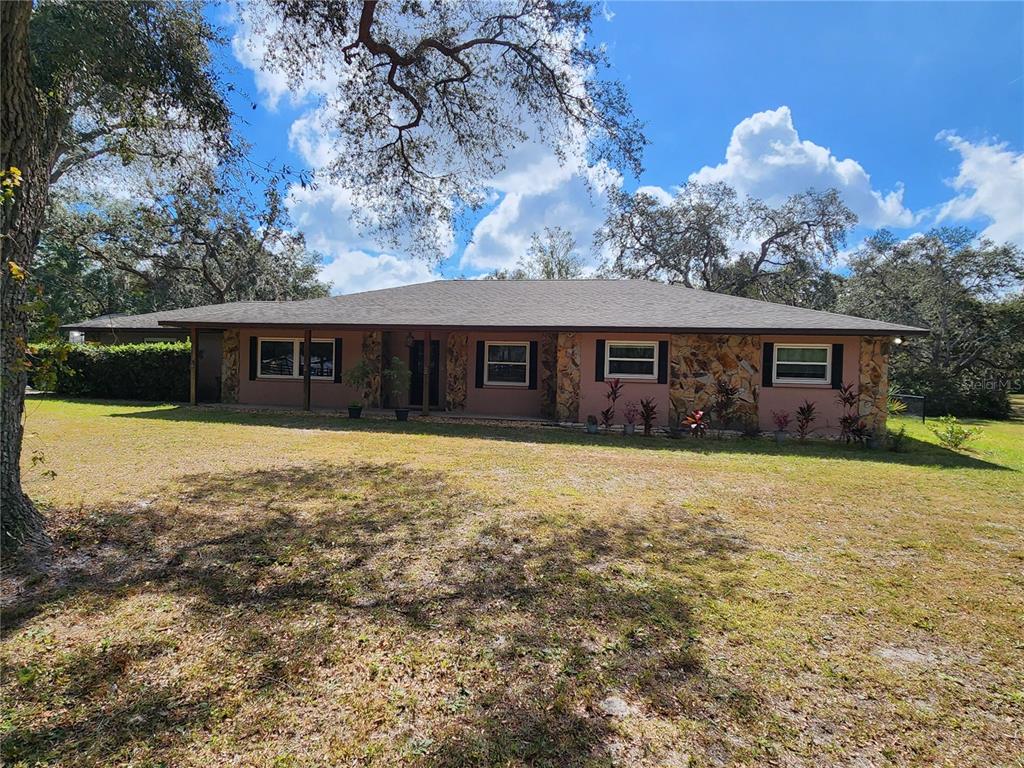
[915, 111]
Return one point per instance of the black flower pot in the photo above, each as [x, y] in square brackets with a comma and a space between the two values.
[355, 411]
[402, 414]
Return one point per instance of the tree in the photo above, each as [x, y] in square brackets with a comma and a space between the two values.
[551, 256]
[430, 98]
[81, 81]
[202, 243]
[966, 291]
[706, 237]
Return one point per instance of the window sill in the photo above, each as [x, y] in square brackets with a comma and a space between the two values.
[803, 384]
[499, 385]
[628, 377]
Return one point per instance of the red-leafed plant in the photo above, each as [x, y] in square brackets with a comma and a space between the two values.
[850, 423]
[695, 421]
[631, 412]
[648, 413]
[614, 393]
[805, 417]
[782, 419]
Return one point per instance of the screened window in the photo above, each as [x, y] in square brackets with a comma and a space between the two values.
[282, 358]
[507, 363]
[631, 360]
[802, 364]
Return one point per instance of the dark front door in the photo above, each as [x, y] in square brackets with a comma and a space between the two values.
[416, 367]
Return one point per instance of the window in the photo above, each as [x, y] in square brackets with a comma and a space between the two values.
[631, 359]
[282, 359]
[321, 359]
[507, 363]
[76, 337]
[802, 364]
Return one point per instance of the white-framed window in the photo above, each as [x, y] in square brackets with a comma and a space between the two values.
[507, 363]
[76, 337]
[631, 360]
[802, 364]
[282, 359]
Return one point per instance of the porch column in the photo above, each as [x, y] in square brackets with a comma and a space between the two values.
[306, 348]
[426, 373]
[193, 370]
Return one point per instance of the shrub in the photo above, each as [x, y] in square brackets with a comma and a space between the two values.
[805, 418]
[613, 394]
[952, 434]
[782, 420]
[648, 413]
[158, 371]
[724, 402]
[695, 421]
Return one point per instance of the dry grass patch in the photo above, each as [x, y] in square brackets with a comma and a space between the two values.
[283, 591]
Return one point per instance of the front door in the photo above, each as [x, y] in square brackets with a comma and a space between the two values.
[416, 367]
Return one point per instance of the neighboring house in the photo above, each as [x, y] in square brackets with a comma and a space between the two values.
[544, 349]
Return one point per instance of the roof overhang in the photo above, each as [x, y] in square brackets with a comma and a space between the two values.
[787, 331]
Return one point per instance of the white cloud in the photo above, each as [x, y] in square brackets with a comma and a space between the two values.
[354, 271]
[990, 183]
[766, 158]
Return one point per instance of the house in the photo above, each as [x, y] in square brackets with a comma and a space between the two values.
[540, 348]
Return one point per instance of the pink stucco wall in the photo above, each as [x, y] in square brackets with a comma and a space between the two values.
[498, 400]
[323, 394]
[789, 397]
[592, 392]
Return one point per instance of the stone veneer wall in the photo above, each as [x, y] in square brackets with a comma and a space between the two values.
[874, 381]
[229, 362]
[568, 378]
[457, 366]
[698, 361]
[547, 375]
[373, 353]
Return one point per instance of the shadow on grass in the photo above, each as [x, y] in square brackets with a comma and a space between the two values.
[915, 452]
[465, 632]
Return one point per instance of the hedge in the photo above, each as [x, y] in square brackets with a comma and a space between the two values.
[157, 371]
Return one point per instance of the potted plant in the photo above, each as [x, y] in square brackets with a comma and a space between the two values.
[648, 412]
[630, 415]
[592, 424]
[358, 376]
[397, 375]
[782, 420]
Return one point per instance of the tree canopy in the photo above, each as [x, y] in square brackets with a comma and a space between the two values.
[552, 255]
[966, 291]
[430, 98]
[705, 236]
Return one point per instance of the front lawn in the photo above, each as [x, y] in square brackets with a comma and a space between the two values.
[284, 590]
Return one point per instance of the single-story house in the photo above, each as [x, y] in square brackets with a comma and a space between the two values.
[537, 348]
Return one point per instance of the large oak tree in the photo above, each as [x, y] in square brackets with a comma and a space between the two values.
[428, 99]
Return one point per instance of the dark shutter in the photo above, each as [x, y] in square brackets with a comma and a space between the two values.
[837, 366]
[253, 355]
[599, 361]
[663, 362]
[337, 361]
[533, 365]
[480, 364]
[767, 362]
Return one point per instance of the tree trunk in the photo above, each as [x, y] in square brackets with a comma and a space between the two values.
[22, 219]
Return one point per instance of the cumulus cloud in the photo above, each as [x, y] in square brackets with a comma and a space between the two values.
[990, 186]
[354, 271]
[766, 158]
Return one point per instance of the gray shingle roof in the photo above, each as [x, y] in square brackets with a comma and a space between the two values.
[150, 321]
[536, 304]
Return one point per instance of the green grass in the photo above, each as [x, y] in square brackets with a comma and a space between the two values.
[274, 589]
